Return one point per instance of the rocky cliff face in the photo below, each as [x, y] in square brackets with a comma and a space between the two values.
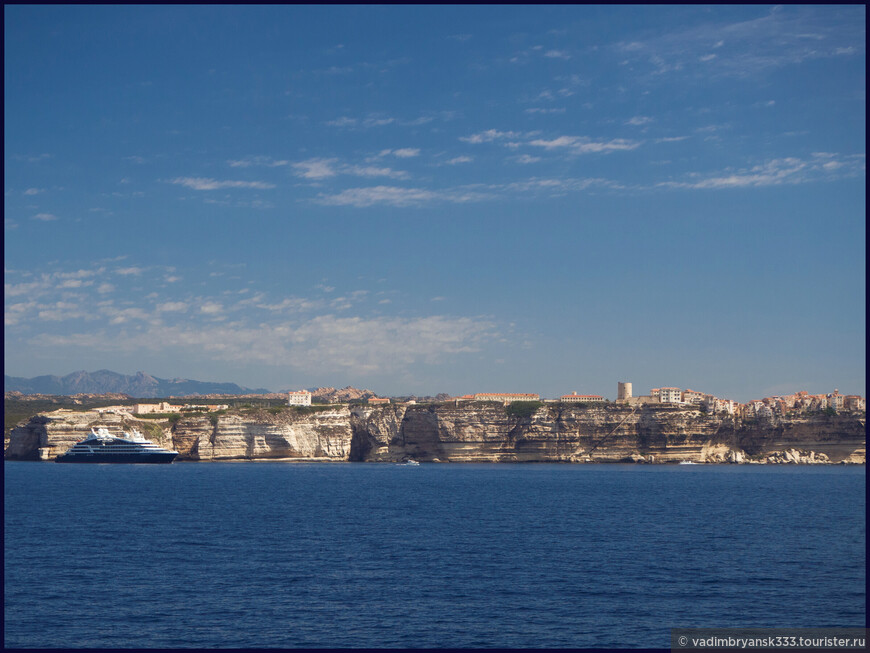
[471, 433]
[321, 435]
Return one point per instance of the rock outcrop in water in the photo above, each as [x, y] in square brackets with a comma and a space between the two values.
[469, 433]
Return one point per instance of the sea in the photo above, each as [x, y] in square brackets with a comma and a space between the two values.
[375, 555]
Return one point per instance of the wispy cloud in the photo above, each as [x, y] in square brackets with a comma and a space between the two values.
[583, 145]
[324, 168]
[126, 272]
[172, 307]
[402, 153]
[344, 121]
[202, 183]
[211, 308]
[639, 120]
[315, 343]
[396, 196]
[372, 120]
[374, 171]
[789, 170]
[544, 111]
[782, 37]
[489, 136]
[315, 168]
[250, 161]
[44, 217]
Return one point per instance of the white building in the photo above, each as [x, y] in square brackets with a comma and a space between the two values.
[855, 402]
[581, 399]
[506, 397]
[299, 398]
[162, 407]
[670, 395]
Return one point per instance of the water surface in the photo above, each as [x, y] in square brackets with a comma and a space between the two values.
[212, 555]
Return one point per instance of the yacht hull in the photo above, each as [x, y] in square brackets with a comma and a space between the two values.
[156, 457]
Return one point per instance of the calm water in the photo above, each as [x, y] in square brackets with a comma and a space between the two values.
[376, 555]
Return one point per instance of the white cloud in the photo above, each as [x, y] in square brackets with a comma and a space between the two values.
[345, 344]
[579, 145]
[45, 217]
[406, 152]
[135, 271]
[61, 311]
[489, 136]
[249, 161]
[291, 304]
[74, 283]
[34, 191]
[671, 139]
[526, 158]
[782, 37]
[557, 54]
[787, 170]
[639, 120]
[459, 159]
[396, 196]
[201, 183]
[541, 110]
[124, 315]
[342, 122]
[373, 171]
[173, 307]
[378, 122]
[323, 168]
[315, 168]
[211, 308]
[15, 313]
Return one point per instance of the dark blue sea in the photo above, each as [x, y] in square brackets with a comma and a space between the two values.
[213, 555]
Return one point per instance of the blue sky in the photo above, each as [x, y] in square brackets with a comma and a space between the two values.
[439, 198]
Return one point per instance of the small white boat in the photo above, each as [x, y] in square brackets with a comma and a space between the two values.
[410, 462]
[688, 462]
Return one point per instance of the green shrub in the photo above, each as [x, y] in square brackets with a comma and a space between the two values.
[522, 409]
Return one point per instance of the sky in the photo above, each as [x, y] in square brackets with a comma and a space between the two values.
[426, 199]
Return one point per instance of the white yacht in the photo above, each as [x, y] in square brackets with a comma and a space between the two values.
[103, 447]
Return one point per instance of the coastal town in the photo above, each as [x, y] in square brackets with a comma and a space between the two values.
[777, 405]
[764, 408]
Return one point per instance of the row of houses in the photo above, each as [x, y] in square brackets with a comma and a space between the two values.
[782, 404]
[769, 406]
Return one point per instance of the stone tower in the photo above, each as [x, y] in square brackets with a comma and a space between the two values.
[623, 390]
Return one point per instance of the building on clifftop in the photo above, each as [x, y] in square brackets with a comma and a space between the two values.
[574, 398]
[299, 398]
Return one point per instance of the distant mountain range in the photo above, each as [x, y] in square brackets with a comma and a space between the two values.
[105, 381]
